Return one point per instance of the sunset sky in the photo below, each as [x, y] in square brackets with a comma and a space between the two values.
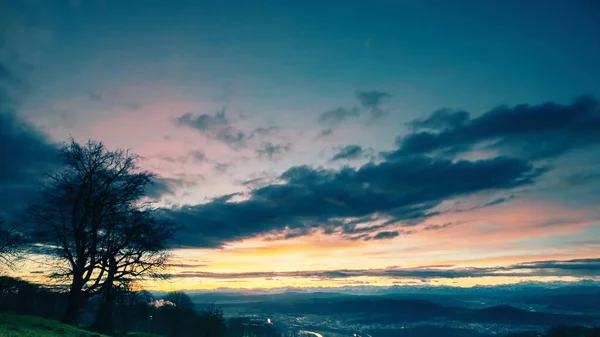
[326, 143]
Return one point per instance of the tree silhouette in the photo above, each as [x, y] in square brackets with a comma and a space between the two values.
[180, 299]
[135, 246]
[92, 219]
[11, 241]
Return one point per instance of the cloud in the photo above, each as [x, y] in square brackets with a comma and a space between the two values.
[405, 188]
[498, 201]
[273, 151]
[216, 127]
[266, 131]
[194, 155]
[257, 180]
[325, 133]
[349, 152]
[440, 120]
[160, 187]
[528, 131]
[221, 168]
[186, 265]
[198, 156]
[397, 190]
[373, 101]
[441, 226]
[568, 265]
[26, 153]
[336, 116]
[575, 268]
[385, 235]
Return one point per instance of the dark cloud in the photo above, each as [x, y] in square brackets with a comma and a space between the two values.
[25, 151]
[349, 152]
[403, 189]
[373, 101]
[440, 120]
[347, 233]
[216, 127]
[160, 187]
[568, 265]
[385, 235]
[273, 151]
[527, 131]
[25, 154]
[575, 268]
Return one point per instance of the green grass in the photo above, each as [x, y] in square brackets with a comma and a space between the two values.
[31, 326]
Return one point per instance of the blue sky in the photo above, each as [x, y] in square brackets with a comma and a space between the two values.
[272, 87]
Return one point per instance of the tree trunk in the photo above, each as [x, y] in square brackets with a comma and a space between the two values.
[105, 316]
[75, 298]
[74, 301]
[104, 321]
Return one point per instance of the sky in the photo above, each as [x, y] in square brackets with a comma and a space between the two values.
[326, 143]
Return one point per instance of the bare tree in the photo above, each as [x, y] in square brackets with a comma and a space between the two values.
[136, 246]
[89, 218]
[11, 242]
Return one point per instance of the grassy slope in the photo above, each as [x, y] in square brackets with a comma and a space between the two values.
[31, 326]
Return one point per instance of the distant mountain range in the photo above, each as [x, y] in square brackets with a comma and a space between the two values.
[583, 295]
[529, 304]
[386, 310]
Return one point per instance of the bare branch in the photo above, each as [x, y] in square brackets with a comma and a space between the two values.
[11, 242]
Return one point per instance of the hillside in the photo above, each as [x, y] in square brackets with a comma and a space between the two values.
[30, 326]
